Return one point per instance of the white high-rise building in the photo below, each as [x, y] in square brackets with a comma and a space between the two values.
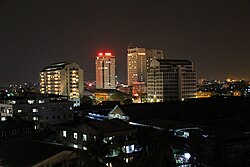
[171, 80]
[105, 71]
[63, 78]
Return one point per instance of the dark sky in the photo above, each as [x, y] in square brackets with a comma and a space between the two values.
[214, 34]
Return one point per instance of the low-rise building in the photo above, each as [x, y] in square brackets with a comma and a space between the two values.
[15, 128]
[5, 111]
[111, 138]
[45, 111]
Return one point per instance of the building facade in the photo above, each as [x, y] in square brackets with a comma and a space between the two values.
[138, 62]
[63, 78]
[114, 137]
[171, 80]
[15, 128]
[105, 71]
[44, 112]
[5, 111]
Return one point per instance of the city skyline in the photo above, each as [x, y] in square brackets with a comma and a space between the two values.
[213, 35]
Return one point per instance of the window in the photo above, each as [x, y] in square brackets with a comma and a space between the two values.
[8, 111]
[34, 110]
[64, 133]
[117, 116]
[84, 137]
[41, 101]
[128, 149]
[35, 118]
[75, 135]
[19, 111]
[2, 133]
[31, 101]
[105, 140]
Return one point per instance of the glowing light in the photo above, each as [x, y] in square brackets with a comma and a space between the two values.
[136, 94]
[141, 54]
[107, 54]
[187, 156]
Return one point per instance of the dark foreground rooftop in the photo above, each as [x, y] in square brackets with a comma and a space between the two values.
[25, 153]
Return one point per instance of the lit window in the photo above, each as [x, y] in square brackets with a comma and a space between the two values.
[84, 137]
[13, 102]
[41, 101]
[34, 110]
[64, 133]
[105, 140]
[75, 135]
[187, 156]
[129, 149]
[19, 111]
[35, 118]
[31, 101]
[186, 134]
[8, 111]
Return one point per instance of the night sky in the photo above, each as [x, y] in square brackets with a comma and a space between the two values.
[214, 34]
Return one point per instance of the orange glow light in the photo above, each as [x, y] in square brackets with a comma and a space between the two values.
[136, 94]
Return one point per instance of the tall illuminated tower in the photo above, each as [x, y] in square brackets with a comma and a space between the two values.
[63, 78]
[138, 61]
[105, 71]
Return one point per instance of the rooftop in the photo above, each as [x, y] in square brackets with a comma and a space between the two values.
[174, 62]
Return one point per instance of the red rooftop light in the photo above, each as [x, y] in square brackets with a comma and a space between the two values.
[107, 54]
[104, 54]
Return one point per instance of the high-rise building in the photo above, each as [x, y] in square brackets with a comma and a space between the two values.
[138, 62]
[105, 71]
[171, 80]
[63, 78]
